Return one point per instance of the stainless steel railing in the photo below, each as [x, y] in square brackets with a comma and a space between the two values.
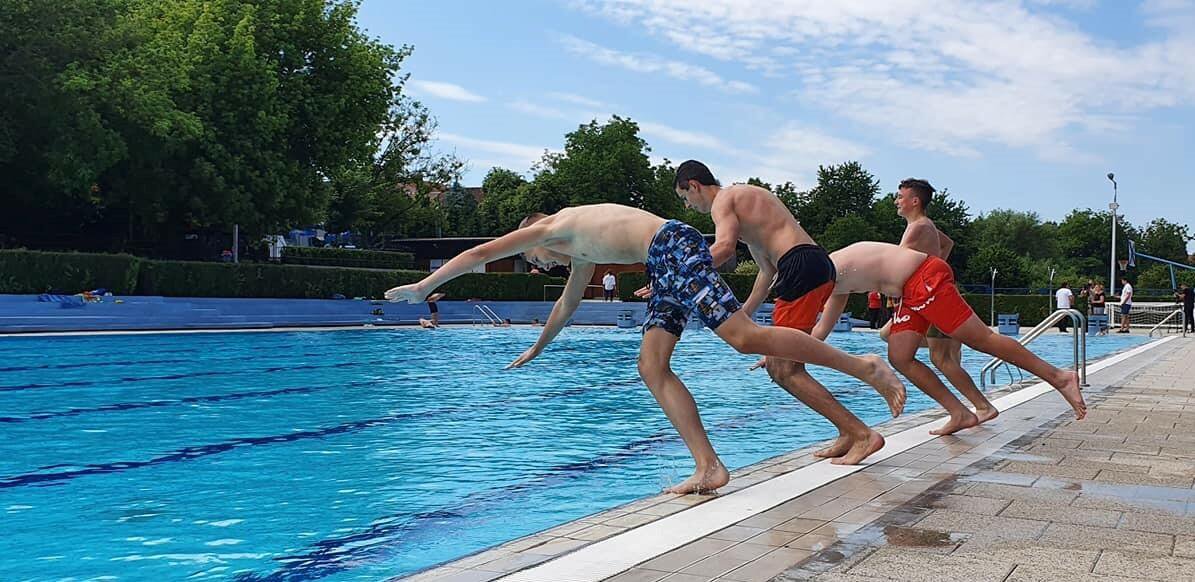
[1078, 335]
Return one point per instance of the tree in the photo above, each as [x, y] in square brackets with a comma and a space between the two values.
[846, 231]
[600, 163]
[842, 190]
[460, 209]
[500, 186]
[189, 115]
[1008, 263]
[1021, 232]
[1166, 240]
[1084, 241]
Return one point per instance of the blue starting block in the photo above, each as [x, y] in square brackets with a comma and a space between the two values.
[626, 319]
[1009, 323]
[763, 318]
[1097, 324]
[844, 323]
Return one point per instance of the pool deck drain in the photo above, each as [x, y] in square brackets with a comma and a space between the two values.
[925, 508]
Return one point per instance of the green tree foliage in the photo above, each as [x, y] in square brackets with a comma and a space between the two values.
[847, 231]
[842, 190]
[1164, 239]
[1023, 233]
[498, 212]
[600, 163]
[184, 115]
[1011, 272]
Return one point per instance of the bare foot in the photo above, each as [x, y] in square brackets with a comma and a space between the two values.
[1069, 388]
[884, 380]
[986, 413]
[861, 450]
[838, 449]
[966, 420]
[702, 481]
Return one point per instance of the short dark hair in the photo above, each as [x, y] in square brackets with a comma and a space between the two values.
[531, 219]
[922, 189]
[1065, 284]
[694, 170]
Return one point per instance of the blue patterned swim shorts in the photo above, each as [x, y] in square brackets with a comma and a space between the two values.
[681, 273]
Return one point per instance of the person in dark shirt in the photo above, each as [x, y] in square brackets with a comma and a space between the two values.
[1187, 296]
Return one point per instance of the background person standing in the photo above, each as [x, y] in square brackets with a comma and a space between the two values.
[1065, 299]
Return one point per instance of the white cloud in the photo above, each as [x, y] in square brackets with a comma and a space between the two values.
[449, 91]
[519, 155]
[945, 75]
[647, 63]
[523, 106]
[578, 100]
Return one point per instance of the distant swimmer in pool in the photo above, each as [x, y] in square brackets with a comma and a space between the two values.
[434, 322]
[683, 280]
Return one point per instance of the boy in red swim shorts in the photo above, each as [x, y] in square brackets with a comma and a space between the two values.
[928, 296]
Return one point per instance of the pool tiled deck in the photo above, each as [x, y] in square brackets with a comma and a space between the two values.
[1033, 495]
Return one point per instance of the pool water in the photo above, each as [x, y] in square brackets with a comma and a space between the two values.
[358, 455]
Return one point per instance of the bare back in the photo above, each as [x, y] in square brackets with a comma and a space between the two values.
[922, 235]
[603, 233]
[765, 223]
[875, 266]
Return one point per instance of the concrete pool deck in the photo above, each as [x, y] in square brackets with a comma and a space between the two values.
[1032, 495]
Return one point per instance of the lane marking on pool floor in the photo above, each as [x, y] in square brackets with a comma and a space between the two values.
[622, 552]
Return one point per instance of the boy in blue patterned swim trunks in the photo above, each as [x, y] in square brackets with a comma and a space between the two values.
[683, 279]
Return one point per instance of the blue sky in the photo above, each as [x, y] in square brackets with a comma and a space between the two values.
[1010, 104]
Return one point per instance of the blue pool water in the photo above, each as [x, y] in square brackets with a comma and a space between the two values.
[357, 455]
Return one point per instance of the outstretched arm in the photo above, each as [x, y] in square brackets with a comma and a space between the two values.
[830, 314]
[504, 246]
[574, 291]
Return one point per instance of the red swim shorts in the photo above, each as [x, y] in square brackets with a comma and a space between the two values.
[930, 297]
[801, 313]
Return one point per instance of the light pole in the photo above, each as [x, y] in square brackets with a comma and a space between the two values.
[992, 317]
[1112, 261]
[1050, 291]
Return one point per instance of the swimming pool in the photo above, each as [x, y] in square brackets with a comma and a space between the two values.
[357, 455]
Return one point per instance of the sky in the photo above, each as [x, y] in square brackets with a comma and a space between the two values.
[1022, 104]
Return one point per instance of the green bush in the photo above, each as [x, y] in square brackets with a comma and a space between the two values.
[24, 271]
[348, 258]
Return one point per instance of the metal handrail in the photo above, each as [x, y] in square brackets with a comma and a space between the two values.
[1078, 335]
[1178, 312]
[489, 314]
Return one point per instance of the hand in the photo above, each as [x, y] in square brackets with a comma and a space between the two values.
[762, 363]
[643, 292]
[410, 293]
[527, 356]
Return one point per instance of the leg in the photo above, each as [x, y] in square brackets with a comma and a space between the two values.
[678, 405]
[856, 440]
[947, 355]
[789, 344]
[902, 352]
[977, 335]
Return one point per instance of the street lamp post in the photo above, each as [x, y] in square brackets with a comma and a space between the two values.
[992, 317]
[1112, 261]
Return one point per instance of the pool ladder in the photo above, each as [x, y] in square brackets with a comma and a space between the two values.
[489, 314]
[1078, 336]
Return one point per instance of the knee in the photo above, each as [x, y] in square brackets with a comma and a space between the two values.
[652, 369]
[902, 362]
[745, 341]
[941, 359]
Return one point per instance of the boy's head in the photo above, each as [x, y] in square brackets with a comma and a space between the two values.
[696, 185]
[1065, 285]
[913, 193]
[539, 256]
[1124, 280]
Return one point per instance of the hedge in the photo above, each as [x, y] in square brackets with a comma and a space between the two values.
[24, 271]
[36, 272]
[347, 258]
